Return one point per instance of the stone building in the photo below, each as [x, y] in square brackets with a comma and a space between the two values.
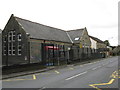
[27, 42]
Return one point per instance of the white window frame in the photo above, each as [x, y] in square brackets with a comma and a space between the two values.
[9, 38]
[13, 35]
[9, 49]
[13, 49]
[9, 53]
[4, 50]
[19, 35]
[19, 49]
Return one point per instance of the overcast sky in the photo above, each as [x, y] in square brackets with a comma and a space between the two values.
[100, 17]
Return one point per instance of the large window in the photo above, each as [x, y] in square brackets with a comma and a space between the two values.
[11, 42]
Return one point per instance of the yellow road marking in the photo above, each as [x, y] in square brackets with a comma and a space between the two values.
[16, 79]
[110, 82]
[57, 72]
[114, 75]
[34, 77]
[94, 85]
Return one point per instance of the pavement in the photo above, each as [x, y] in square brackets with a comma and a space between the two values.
[93, 76]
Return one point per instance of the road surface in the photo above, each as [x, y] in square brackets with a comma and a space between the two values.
[94, 76]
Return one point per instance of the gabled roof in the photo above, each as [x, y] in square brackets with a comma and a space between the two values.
[96, 39]
[76, 35]
[39, 31]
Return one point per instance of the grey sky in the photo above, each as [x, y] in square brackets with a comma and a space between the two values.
[99, 16]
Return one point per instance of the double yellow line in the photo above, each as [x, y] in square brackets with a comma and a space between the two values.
[114, 75]
[94, 85]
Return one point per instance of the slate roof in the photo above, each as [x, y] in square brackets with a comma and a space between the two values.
[76, 34]
[96, 39]
[39, 31]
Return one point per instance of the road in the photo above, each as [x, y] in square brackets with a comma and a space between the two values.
[94, 75]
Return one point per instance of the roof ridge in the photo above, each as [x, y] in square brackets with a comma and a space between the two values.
[76, 29]
[38, 23]
[96, 38]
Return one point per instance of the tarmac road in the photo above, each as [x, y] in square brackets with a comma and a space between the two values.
[94, 76]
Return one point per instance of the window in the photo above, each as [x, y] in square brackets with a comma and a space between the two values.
[19, 52]
[13, 36]
[13, 52]
[4, 45]
[11, 42]
[9, 48]
[19, 37]
[5, 39]
[4, 51]
[19, 49]
[10, 33]
[9, 38]
[13, 49]
[9, 52]
[13, 33]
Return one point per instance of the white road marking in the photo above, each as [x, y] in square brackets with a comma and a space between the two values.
[57, 72]
[76, 75]
[96, 67]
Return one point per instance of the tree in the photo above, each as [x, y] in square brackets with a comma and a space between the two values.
[107, 42]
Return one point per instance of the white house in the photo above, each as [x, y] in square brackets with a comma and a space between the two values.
[98, 45]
